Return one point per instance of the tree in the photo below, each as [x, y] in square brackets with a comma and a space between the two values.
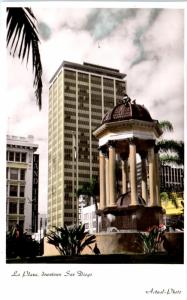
[171, 151]
[22, 35]
[91, 189]
[19, 244]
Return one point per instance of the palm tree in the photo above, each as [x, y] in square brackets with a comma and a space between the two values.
[22, 35]
[91, 189]
[171, 152]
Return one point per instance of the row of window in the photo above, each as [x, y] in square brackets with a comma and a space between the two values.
[16, 156]
[15, 174]
[14, 208]
[16, 191]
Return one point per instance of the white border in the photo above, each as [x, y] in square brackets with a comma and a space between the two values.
[108, 281]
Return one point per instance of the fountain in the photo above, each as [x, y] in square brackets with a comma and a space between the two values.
[125, 131]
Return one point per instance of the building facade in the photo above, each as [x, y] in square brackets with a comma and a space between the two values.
[22, 174]
[171, 179]
[88, 217]
[79, 97]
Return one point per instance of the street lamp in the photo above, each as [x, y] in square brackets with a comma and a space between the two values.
[73, 174]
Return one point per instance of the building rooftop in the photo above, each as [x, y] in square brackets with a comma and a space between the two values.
[87, 67]
[21, 141]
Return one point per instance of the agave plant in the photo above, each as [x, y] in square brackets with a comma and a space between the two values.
[70, 240]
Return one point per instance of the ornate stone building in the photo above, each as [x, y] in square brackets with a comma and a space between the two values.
[22, 175]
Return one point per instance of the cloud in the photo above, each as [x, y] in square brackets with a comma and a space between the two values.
[101, 22]
[145, 44]
[152, 16]
[44, 31]
[58, 19]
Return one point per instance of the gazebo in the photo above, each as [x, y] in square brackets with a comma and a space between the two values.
[125, 131]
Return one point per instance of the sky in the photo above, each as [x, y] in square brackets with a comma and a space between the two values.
[145, 44]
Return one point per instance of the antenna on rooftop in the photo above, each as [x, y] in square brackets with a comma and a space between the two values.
[8, 126]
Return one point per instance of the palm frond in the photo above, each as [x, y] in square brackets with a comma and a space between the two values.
[168, 145]
[171, 151]
[166, 126]
[22, 36]
[170, 159]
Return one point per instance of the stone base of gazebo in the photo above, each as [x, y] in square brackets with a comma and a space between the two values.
[136, 217]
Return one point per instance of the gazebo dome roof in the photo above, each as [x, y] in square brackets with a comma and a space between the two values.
[127, 110]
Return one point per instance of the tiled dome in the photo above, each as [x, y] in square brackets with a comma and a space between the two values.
[127, 110]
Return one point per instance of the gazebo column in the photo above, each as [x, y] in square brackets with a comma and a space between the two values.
[124, 163]
[102, 179]
[157, 177]
[112, 174]
[107, 180]
[144, 176]
[133, 180]
[152, 176]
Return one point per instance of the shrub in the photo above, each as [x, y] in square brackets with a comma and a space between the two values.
[70, 240]
[151, 239]
[19, 244]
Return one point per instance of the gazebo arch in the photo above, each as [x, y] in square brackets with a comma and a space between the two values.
[127, 130]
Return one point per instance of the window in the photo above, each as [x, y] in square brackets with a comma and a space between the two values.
[21, 208]
[13, 191]
[22, 191]
[12, 208]
[22, 174]
[11, 156]
[86, 225]
[23, 157]
[7, 173]
[14, 174]
[17, 156]
[21, 223]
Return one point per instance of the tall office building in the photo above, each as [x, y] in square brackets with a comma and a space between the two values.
[22, 175]
[79, 96]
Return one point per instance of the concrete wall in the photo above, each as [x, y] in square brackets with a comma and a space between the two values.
[118, 243]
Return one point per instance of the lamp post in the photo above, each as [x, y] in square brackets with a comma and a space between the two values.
[73, 174]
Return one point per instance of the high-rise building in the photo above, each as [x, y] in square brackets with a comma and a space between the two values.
[79, 96]
[22, 183]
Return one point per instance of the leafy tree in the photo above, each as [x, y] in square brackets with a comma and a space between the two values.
[91, 189]
[171, 151]
[169, 196]
[70, 240]
[19, 244]
[22, 35]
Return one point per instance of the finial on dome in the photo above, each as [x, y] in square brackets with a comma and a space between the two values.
[126, 99]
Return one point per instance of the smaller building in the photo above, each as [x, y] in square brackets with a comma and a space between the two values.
[88, 217]
[42, 221]
[171, 179]
[22, 174]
